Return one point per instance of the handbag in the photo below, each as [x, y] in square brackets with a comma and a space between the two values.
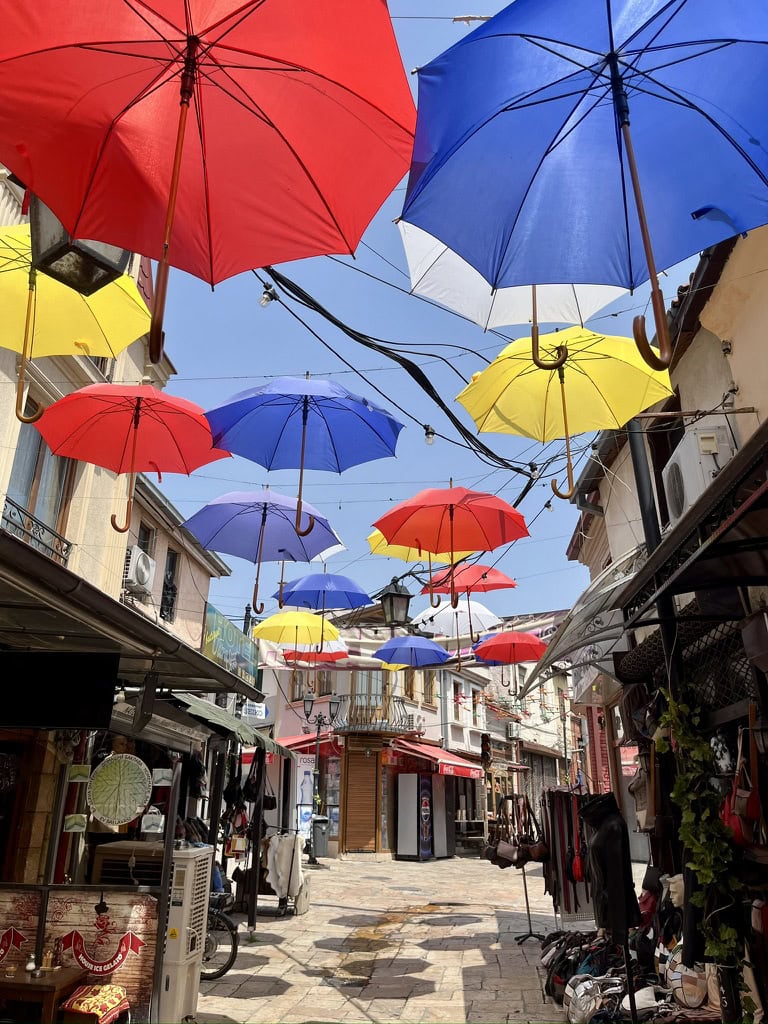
[740, 825]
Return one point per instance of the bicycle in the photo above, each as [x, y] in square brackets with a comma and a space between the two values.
[221, 939]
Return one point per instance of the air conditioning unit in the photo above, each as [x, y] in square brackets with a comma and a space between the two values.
[129, 862]
[513, 730]
[693, 465]
[139, 574]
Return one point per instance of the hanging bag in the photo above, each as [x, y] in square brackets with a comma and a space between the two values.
[740, 825]
[577, 864]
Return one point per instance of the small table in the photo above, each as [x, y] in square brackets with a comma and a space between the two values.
[48, 990]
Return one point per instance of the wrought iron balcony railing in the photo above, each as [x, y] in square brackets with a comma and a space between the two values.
[22, 524]
[361, 713]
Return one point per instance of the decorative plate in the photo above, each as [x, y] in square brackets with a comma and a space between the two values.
[119, 789]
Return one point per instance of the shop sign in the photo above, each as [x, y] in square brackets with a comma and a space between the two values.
[128, 943]
[229, 647]
[11, 937]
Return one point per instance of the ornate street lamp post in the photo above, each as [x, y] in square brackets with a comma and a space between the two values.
[319, 719]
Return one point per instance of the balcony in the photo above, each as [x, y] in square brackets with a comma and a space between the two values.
[20, 523]
[360, 713]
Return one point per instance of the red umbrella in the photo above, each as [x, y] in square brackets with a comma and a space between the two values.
[301, 125]
[452, 519]
[129, 429]
[471, 578]
[509, 647]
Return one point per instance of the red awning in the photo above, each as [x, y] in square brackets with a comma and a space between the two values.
[306, 741]
[446, 762]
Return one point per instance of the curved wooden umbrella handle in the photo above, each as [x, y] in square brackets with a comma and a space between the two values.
[664, 357]
[562, 351]
[565, 495]
[434, 599]
[20, 415]
[257, 607]
[282, 585]
[128, 508]
[297, 524]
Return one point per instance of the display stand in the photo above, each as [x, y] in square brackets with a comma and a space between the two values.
[530, 934]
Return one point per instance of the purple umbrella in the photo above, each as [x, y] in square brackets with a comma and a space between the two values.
[416, 651]
[320, 590]
[260, 526]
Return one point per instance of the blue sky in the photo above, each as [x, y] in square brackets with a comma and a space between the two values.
[223, 341]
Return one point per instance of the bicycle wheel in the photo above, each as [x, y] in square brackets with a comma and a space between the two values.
[220, 950]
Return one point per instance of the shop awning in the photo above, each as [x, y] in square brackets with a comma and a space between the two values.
[594, 628]
[220, 717]
[306, 741]
[445, 762]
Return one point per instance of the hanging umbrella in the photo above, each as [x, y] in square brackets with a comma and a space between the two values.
[41, 317]
[379, 546]
[299, 423]
[322, 590]
[509, 648]
[445, 620]
[450, 519]
[129, 429]
[441, 275]
[260, 527]
[310, 654]
[471, 578]
[290, 629]
[525, 165]
[607, 384]
[416, 651]
[300, 125]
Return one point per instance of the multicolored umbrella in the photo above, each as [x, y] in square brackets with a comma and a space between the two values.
[129, 429]
[213, 137]
[40, 317]
[260, 527]
[302, 423]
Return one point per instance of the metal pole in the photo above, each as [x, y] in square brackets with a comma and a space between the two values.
[315, 789]
[260, 757]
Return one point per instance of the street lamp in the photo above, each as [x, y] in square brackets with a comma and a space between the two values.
[395, 600]
[319, 720]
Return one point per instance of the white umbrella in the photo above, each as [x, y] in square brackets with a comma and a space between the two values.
[440, 274]
[456, 622]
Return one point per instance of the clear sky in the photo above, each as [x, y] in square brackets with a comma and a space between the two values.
[223, 341]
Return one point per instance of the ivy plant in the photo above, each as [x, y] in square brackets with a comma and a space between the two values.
[705, 838]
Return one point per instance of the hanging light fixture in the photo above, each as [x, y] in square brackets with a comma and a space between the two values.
[395, 600]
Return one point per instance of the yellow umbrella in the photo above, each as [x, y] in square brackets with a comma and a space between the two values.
[40, 317]
[378, 544]
[296, 629]
[608, 383]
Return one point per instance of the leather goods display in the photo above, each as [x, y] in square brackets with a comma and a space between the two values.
[740, 810]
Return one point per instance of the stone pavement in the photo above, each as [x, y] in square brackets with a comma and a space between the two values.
[388, 940]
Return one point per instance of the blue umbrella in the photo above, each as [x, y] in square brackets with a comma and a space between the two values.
[416, 651]
[260, 527]
[524, 163]
[322, 590]
[298, 423]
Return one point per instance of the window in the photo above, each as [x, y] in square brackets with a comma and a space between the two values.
[428, 682]
[457, 702]
[368, 688]
[170, 589]
[40, 482]
[409, 684]
[324, 682]
[146, 539]
[477, 697]
[298, 685]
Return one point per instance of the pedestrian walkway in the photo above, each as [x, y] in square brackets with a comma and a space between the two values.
[387, 940]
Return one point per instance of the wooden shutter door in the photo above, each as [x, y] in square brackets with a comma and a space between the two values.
[361, 808]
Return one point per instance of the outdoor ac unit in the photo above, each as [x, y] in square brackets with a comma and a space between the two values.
[693, 465]
[513, 730]
[139, 572]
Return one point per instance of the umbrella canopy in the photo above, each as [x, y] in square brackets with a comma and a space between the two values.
[441, 275]
[310, 654]
[569, 205]
[40, 317]
[414, 651]
[377, 542]
[606, 381]
[211, 136]
[294, 628]
[321, 590]
[129, 429]
[469, 578]
[510, 647]
[452, 518]
[300, 423]
[260, 527]
[456, 622]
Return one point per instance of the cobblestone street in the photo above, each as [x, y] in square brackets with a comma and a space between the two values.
[393, 941]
